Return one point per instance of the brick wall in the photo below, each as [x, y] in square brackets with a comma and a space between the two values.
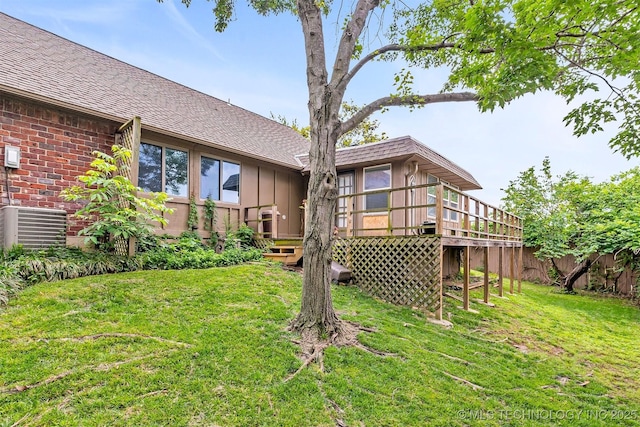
[55, 147]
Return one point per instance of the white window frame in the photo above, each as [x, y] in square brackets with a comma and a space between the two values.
[447, 201]
[365, 190]
[341, 207]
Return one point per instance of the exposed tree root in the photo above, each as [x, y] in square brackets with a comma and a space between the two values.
[374, 351]
[463, 381]
[102, 367]
[102, 335]
[21, 388]
[457, 359]
[313, 344]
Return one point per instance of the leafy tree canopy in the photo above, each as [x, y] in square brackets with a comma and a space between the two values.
[495, 50]
[570, 215]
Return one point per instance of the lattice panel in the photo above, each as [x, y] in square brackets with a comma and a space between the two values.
[127, 141]
[263, 243]
[403, 270]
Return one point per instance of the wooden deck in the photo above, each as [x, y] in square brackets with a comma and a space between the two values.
[460, 219]
[396, 253]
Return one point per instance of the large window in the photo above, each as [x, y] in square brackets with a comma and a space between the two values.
[163, 169]
[377, 178]
[219, 180]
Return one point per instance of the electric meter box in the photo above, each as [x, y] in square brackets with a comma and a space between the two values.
[11, 157]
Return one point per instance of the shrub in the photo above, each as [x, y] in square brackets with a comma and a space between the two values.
[112, 207]
[21, 267]
[10, 283]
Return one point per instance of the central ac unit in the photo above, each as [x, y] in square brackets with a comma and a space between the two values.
[33, 228]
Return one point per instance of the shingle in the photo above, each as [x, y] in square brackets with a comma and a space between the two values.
[40, 63]
[395, 148]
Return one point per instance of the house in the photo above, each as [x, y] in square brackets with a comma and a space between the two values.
[60, 101]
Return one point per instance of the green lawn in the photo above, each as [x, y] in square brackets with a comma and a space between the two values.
[209, 348]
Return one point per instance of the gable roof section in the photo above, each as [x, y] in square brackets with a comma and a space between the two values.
[403, 148]
[40, 65]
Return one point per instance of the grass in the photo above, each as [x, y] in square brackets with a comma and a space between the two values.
[209, 347]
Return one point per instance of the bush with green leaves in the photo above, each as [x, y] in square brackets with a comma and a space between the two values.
[112, 208]
[20, 268]
[244, 234]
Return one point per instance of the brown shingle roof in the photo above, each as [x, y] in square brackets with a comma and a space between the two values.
[402, 148]
[38, 64]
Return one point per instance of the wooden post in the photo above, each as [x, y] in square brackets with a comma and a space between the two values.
[389, 211]
[512, 275]
[441, 293]
[274, 221]
[486, 275]
[439, 209]
[349, 230]
[500, 277]
[520, 269]
[486, 221]
[135, 148]
[467, 217]
[465, 291]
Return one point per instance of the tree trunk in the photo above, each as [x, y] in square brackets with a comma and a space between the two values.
[575, 274]
[316, 312]
[317, 318]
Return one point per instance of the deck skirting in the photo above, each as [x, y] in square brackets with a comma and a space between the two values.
[402, 270]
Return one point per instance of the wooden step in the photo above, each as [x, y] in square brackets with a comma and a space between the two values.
[289, 255]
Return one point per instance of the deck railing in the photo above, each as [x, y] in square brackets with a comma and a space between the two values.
[426, 209]
[263, 219]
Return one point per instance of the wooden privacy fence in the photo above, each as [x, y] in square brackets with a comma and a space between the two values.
[400, 270]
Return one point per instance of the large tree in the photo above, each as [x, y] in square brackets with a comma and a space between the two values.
[493, 50]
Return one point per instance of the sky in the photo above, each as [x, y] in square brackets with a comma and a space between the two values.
[258, 64]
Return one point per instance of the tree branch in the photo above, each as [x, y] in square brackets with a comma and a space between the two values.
[311, 21]
[349, 38]
[394, 101]
[403, 48]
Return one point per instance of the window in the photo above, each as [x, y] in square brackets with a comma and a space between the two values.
[377, 178]
[431, 196]
[219, 180]
[449, 199]
[209, 178]
[163, 169]
[345, 187]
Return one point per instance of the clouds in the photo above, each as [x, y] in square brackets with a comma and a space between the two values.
[188, 31]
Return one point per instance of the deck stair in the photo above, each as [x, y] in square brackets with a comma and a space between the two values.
[287, 254]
